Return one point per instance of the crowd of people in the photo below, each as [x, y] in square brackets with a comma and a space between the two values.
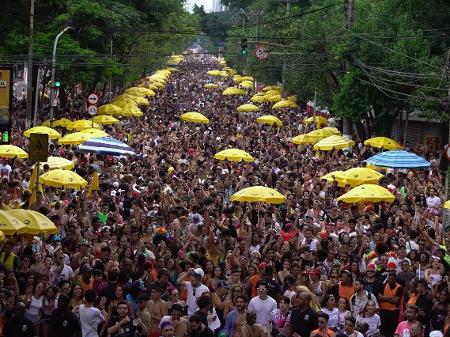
[160, 250]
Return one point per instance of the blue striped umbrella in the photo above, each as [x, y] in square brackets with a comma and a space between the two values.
[106, 146]
[398, 159]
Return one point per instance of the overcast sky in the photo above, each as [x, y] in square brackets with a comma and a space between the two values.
[207, 4]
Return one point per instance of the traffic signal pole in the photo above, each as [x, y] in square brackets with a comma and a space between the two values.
[52, 89]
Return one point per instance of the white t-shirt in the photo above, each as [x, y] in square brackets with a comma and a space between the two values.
[262, 308]
[65, 274]
[333, 317]
[90, 318]
[5, 171]
[373, 322]
[191, 299]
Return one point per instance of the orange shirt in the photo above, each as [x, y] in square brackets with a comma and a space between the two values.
[346, 291]
[253, 282]
[86, 286]
[323, 333]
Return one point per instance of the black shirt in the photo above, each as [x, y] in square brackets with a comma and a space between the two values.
[126, 330]
[19, 327]
[425, 303]
[207, 332]
[203, 316]
[303, 322]
[63, 323]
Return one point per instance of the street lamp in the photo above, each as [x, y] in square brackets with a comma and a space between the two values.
[52, 90]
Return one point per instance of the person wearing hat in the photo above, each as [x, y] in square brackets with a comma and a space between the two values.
[195, 288]
[371, 281]
[63, 321]
[390, 300]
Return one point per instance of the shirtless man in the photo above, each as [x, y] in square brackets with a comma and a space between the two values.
[180, 324]
[236, 318]
[158, 308]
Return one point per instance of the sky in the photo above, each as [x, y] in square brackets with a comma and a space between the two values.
[207, 4]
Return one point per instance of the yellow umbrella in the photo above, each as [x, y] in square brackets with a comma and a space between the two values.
[11, 151]
[257, 99]
[272, 87]
[210, 86]
[447, 204]
[284, 104]
[63, 122]
[9, 224]
[233, 91]
[272, 98]
[259, 194]
[125, 102]
[234, 155]
[131, 111]
[302, 139]
[246, 84]
[105, 119]
[292, 98]
[156, 86]
[82, 124]
[58, 163]
[335, 176]
[214, 72]
[361, 175]
[224, 74]
[237, 78]
[136, 91]
[140, 100]
[95, 133]
[75, 138]
[269, 120]
[36, 223]
[320, 121]
[194, 117]
[333, 142]
[62, 178]
[367, 193]
[247, 108]
[109, 109]
[34, 176]
[48, 123]
[94, 185]
[319, 134]
[52, 134]
[272, 92]
[247, 78]
[2, 236]
[383, 143]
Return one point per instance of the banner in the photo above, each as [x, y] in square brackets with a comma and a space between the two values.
[5, 105]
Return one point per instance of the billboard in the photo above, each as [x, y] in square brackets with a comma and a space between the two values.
[5, 104]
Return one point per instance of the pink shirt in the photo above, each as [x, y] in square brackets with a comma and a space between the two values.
[403, 329]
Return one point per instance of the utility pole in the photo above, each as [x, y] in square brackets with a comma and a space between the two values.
[314, 111]
[29, 105]
[349, 13]
[36, 97]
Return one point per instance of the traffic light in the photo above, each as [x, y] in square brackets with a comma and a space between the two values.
[244, 46]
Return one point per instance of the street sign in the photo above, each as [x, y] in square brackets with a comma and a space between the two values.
[261, 53]
[92, 99]
[38, 149]
[92, 110]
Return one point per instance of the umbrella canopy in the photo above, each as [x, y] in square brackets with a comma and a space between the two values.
[63, 122]
[272, 87]
[106, 146]
[141, 92]
[246, 84]
[11, 151]
[247, 78]
[383, 143]
[272, 98]
[9, 224]
[95, 133]
[109, 109]
[320, 121]
[447, 204]
[284, 104]
[361, 175]
[215, 72]
[234, 155]
[58, 163]
[319, 134]
[195, 117]
[210, 86]
[247, 108]
[82, 124]
[52, 134]
[257, 99]
[338, 176]
[62, 178]
[75, 138]
[36, 223]
[233, 91]
[333, 143]
[156, 86]
[398, 159]
[105, 119]
[367, 193]
[302, 139]
[259, 194]
[269, 120]
[123, 102]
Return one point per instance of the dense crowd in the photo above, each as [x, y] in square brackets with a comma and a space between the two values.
[159, 249]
